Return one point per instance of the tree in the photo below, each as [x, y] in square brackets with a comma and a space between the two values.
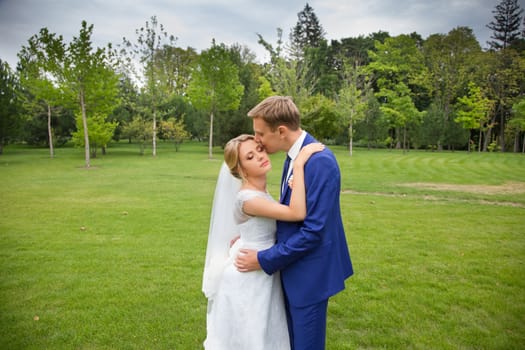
[517, 124]
[506, 24]
[320, 117]
[173, 130]
[287, 77]
[351, 101]
[138, 129]
[148, 51]
[473, 112]
[307, 32]
[322, 73]
[9, 104]
[174, 69]
[400, 60]
[123, 113]
[265, 88]
[452, 61]
[309, 49]
[215, 84]
[371, 128]
[504, 82]
[100, 133]
[232, 123]
[400, 111]
[401, 81]
[355, 50]
[89, 80]
[39, 71]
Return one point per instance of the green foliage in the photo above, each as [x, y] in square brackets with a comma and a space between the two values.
[265, 88]
[100, 132]
[215, 82]
[153, 75]
[173, 130]
[139, 130]
[519, 111]
[215, 85]
[10, 104]
[473, 108]
[517, 124]
[88, 81]
[39, 70]
[321, 118]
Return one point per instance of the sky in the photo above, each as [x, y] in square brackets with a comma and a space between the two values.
[196, 22]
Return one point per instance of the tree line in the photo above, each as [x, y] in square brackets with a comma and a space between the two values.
[406, 92]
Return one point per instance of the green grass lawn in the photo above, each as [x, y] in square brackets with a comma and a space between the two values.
[111, 257]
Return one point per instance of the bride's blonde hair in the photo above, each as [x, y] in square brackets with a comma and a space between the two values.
[231, 154]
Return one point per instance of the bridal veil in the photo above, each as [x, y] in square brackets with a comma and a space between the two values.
[222, 230]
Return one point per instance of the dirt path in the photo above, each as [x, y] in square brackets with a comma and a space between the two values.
[507, 188]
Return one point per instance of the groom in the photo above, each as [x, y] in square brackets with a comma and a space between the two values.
[311, 255]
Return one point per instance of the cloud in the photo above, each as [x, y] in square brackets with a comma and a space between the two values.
[196, 22]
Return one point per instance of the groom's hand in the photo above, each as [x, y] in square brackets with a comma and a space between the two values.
[247, 261]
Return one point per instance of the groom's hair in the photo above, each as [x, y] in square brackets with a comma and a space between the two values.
[276, 111]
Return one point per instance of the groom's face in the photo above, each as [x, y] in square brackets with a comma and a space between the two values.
[271, 140]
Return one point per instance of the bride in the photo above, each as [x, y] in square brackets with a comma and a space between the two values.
[246, 310]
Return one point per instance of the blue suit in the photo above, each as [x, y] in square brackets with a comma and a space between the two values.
[312, 255]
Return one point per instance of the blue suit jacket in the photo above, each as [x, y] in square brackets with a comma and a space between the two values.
[313, 254]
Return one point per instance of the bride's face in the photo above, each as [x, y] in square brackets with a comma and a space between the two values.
[253, 158]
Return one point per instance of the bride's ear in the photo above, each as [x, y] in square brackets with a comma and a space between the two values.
[240, 171]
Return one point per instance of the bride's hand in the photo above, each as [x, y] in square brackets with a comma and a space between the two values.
[307, 151]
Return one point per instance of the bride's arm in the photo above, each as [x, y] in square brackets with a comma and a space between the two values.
[296, 211]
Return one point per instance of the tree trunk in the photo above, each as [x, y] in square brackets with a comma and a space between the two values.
[404, 138]
[154, 133]
[50, 132]
[502, 128]
[84, 124]
[480, 139]
[210, 146]
[350, 132]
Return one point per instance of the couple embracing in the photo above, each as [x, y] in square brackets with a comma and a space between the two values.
[269, 288]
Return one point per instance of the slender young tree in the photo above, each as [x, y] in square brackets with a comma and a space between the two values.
[351, 99]
[215, 84]
[39, 71]
[506, 24]
[147, 49]
[89, 80]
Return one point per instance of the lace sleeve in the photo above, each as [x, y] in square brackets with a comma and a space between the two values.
[243, 196]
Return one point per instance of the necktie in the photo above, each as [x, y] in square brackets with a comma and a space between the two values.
[285, 173]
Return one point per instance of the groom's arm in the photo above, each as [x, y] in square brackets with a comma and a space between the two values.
[322, 193]
[323, 186]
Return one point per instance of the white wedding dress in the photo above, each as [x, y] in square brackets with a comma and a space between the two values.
[247, 311]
